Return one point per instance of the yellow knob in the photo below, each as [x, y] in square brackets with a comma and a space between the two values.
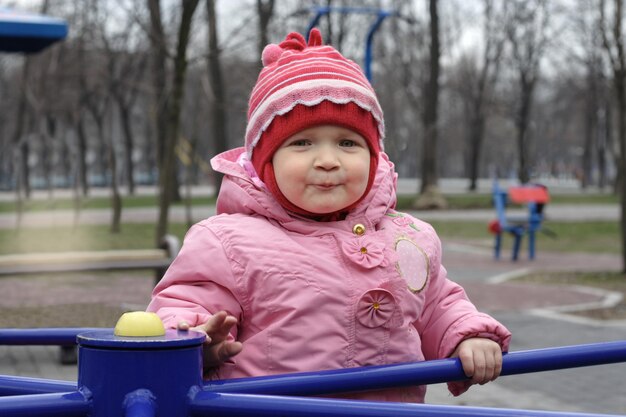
[139, 324]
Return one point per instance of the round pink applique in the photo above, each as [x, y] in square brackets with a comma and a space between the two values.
[413, 264]
[365, 251]
[375, 308]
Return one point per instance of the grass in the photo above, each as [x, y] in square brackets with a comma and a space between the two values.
[455, 202]
[93, 203]
[594, 237]
[589, 236]
[87, 237]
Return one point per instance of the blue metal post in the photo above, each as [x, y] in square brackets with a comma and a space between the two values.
[247, 405]
[381, 15]
[49, 336]
[21, 385]
[162, 367]
[68, 404]
[370, 41]
[420, 373]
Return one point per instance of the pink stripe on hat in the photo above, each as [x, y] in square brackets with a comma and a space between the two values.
[296, 73]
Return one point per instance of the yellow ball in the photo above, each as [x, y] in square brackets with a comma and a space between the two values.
[139, 324]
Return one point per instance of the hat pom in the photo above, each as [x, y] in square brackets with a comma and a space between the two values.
[270, 54]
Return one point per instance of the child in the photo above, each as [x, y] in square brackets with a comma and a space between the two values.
[307, 266]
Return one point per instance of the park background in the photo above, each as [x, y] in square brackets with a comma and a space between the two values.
[475, 91]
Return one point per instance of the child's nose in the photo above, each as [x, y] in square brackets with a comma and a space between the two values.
[326, 158]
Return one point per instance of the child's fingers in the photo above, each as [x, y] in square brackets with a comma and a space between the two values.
[219, 326]
[182, 325]
[467, 361]
[487, 365]
[219, 353]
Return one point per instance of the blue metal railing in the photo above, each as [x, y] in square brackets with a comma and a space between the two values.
[105, 367]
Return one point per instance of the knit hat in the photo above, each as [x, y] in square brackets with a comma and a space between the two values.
[305, 85]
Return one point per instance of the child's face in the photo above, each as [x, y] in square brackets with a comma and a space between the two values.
[323, 169]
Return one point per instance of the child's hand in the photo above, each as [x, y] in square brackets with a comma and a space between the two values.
[481, 359]
[217, 349]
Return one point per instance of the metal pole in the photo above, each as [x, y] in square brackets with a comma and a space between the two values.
[369, 42]
[65, 404]
[42, 336]
[246, 405]
[381, 15]
[419, 373]
[20, 385]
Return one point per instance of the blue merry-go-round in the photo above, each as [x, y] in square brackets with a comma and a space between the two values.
[134, 374]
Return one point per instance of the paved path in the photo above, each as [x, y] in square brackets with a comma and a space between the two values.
[558, 212]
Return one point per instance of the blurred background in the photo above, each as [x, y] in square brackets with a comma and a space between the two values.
[106, 138]
[525, 88]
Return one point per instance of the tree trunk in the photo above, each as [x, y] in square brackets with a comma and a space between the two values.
[218, 86]
[430, 196]
[429, 155]
[477, 127]
[615, 51]
[83, 180]
[522, 121]
[173, 119]
[129, 147]
[21, 144]
[265, 10]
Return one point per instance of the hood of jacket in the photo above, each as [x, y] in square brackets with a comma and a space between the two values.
[240, 193]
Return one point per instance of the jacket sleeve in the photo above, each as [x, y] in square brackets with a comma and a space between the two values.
[198, 283]
[449, 317]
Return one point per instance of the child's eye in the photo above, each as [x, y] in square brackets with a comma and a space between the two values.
[300, 142]
[347, 143]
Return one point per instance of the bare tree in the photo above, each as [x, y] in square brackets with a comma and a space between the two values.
[430, 195]
[527, 36]
[265, 10]
[167, 169]
[588, 28]
[218, 88]
[476, 84]
[125, 71]
[613, 40]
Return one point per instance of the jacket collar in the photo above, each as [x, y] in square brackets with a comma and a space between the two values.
[242, 193]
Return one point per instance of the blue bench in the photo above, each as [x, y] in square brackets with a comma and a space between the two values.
[534, 197]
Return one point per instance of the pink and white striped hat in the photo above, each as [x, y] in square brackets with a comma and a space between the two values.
[303, 85]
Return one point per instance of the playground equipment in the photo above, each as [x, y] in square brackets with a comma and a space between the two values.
[28, 32]
[535, 197]
[381, 15]
[160, 374]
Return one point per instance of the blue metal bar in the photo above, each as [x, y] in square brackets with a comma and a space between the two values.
[140, 403]
[247, 405]
[419, 373]
[381, 15]
[61, 336]
[20, 385]
[67, 404]
[370, 41]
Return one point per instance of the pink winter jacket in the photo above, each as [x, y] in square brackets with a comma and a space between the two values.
[367, 290]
